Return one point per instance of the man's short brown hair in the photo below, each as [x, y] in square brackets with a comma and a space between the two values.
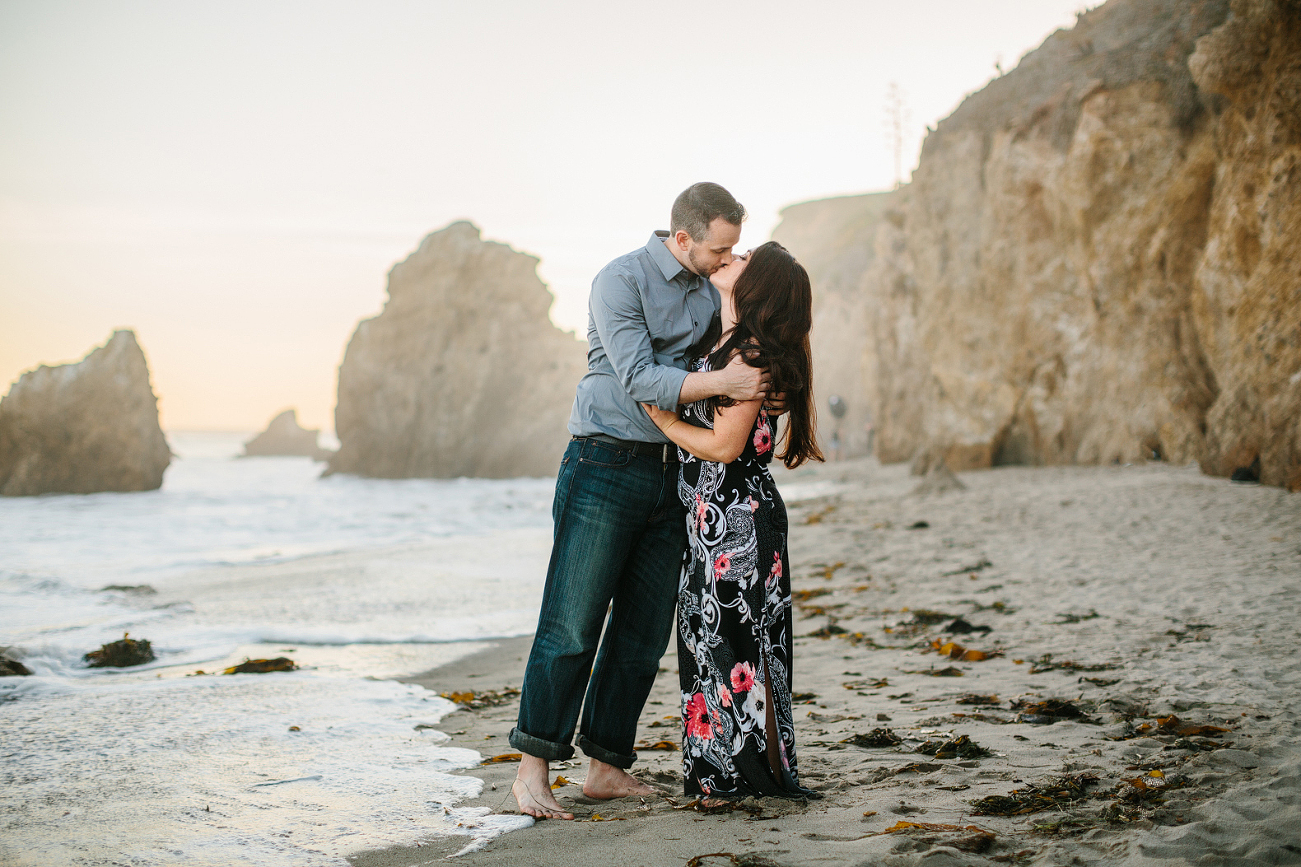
[699, 205]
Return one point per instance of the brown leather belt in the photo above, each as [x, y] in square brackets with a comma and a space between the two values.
[665, 453]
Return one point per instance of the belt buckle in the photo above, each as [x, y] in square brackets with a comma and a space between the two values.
[664, 456]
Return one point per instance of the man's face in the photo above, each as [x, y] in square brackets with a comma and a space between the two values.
[707, 256]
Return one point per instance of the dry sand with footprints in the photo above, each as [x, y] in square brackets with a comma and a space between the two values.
[1046, 666]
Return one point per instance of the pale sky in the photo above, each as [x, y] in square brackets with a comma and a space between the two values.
[233, 180]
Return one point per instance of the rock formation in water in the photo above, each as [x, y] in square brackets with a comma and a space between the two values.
[834, 240]
[1095, 260]
[85, 427]
[462, 374]
[284, 437]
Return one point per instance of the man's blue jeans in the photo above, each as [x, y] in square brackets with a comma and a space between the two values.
[620, 533]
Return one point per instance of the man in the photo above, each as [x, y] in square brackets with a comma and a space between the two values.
[620, 531]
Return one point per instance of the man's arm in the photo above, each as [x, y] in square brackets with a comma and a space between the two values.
[738, 380]
[621, 324]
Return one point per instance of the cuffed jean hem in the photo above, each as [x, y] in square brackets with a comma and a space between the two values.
[601, 754]
[539, 748]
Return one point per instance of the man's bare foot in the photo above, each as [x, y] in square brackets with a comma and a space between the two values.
[532, 790]
[606, 781]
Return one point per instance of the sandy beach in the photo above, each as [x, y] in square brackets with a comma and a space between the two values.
[1116, 644]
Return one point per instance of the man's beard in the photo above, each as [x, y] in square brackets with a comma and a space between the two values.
[696, 266]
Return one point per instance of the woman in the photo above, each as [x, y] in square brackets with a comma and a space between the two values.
[734, 599]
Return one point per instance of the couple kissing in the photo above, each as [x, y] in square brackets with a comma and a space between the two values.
[664, 502]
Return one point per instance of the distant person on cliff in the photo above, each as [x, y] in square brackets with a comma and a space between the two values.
[620, 531]
[734, 600]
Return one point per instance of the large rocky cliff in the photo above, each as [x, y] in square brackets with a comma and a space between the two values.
[85, 427]
[834, 240]
[462, 374]
[1095, 260]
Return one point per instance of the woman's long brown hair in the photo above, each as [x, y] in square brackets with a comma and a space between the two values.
[774, 312]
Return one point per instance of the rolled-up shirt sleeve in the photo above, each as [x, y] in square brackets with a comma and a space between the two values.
[620, 321]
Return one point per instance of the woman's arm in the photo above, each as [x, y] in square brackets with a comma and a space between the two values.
[723, 444]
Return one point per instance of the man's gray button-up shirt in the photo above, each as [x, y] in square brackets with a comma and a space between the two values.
[644, 311]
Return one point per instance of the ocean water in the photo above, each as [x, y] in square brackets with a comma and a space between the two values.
[357, 580]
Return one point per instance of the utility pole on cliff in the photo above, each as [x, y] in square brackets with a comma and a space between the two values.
[896, 118]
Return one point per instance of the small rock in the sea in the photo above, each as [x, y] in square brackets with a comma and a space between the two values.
[263, 666]
[10, 667]
[121, 654]
[919, 525]
[883, 717]
[134, 589]
[295, 729]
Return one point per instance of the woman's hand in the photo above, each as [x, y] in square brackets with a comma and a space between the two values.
[663, 418]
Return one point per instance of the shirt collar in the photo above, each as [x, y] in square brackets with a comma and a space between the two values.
[669, 266]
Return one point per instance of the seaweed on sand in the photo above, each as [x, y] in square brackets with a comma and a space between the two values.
[977, 699]
[1056, 792]
[975, 839]
[961, 747]
[1046, 663]
[745, 859]
[1049, 711]
[470, 700]
[953, 650]
[1171, 726]
[806, 595]
[875, 739]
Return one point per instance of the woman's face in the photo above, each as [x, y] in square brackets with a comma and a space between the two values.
[725, 278]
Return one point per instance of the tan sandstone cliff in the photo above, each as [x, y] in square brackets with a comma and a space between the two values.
[1096, 258]
[84, 428]
[462, 374]
[834, 240]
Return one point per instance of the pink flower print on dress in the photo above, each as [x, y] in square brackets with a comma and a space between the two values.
[724, 695]
[722, 564]
[776, 572]
[742, 677]
[754, 504]
[700, 512]
[698, 722]
[762, 437]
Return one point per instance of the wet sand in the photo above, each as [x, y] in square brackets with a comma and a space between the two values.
[1157, 602]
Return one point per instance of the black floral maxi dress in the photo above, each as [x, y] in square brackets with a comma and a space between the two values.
[734, 620]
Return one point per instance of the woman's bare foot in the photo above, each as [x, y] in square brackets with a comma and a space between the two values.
[532, 790]
[605, 781]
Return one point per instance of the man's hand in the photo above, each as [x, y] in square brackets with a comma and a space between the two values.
[775, 404]
[740, 381]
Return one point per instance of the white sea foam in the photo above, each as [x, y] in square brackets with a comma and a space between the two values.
[356, 579]
[206, 770]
